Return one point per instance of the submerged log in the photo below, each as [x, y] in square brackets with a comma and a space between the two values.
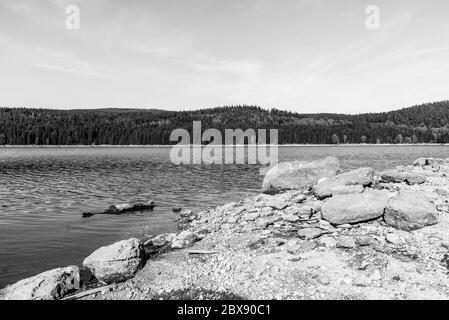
[124, 208]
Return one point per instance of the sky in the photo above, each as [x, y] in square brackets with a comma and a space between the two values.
[306, 56]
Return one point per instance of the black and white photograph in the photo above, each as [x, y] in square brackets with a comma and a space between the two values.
[240, 151]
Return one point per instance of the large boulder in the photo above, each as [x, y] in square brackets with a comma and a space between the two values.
[352, 208]
[397, 176]
[49, 285]
[410, 210]
[348, 182]
[117, 262]
[297, 175]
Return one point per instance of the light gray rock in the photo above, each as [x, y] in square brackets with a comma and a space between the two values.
[179, 244]
[161, 240]
[353, 208]
[186, 236]
[292, 210]
[410, 210]
[290, 218]
[298, 175]
[393, 238]
[347, 189]
[116, 262]
[49, 285]
[346, 242]
[328, 242]
[299, 198]
[266, 211]
[251, 216]
[299, 247]
[397, 176]
[309, 233]
[422, 162]
[348, 182]
[278, 204]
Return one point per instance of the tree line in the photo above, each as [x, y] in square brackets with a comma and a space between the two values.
[427, 123]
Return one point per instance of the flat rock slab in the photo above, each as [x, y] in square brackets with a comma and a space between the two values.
[352, 208]
[410, 210]
[117, 262]
[397, 176]
[298, 175]
[348, 182]
[50, 285]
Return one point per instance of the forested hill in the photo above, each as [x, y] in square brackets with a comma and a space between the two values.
[426, 123]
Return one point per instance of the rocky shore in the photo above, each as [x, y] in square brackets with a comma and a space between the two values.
[314, 233]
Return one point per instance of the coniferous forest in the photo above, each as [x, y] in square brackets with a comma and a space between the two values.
[427, 123]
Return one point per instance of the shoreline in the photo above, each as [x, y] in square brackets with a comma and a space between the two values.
[287, 245]
[238, 145]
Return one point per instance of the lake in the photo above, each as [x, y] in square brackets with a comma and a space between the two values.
[44, 190]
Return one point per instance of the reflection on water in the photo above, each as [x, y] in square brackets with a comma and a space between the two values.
[43, 192]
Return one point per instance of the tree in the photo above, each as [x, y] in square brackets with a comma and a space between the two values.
[335, 139]
[363, 139]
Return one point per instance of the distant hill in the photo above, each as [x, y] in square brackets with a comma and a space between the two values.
[427, 123]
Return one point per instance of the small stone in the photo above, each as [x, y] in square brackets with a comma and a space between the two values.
[324, 280]
[328, 242]
[393, 238]
[278, 204]
[233, 220]
[346, 242]
[250, 216]
[262, 223]
[375, 276]
[362, 281]
[179, 244]
[186, 235]
[299, 198]
[300, 247]
[185, 213]
[364, 241]
[266, 211]
[290, 218]
[292, 210]
[309, 233]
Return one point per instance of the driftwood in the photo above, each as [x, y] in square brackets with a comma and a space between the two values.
[88, 292]
[202, 252]
[123, 208]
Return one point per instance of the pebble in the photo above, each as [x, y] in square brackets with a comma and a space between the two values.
[393, 238]
[346, 242]
[290, 218]
[250, 216]
[328, 242]
[277, 204]
[324, 280]
[309, 233]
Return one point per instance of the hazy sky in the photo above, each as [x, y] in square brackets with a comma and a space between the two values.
[300, 55]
